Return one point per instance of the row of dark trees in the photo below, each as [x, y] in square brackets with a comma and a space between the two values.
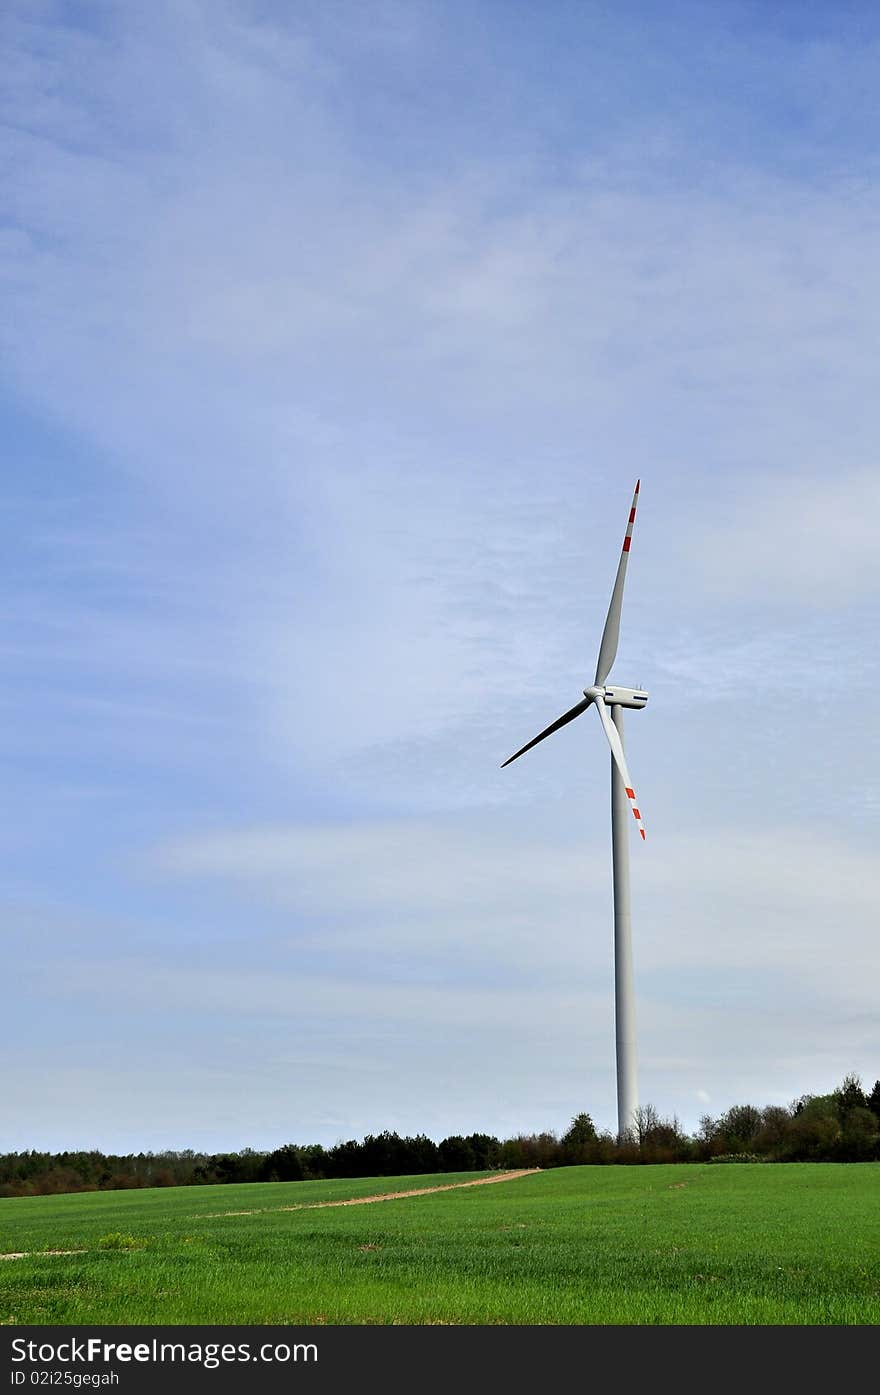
[843, 1126]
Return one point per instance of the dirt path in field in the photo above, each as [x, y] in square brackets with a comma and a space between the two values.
[315, 1206]
[380, 1196]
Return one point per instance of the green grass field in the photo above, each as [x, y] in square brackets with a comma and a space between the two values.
[778, 1244]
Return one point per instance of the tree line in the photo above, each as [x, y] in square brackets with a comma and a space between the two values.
[843, 1126]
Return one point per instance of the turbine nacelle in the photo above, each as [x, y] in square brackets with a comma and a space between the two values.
[619, 697]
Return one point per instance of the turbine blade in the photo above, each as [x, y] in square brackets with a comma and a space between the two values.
[619, 759]
[554, 726]
[608, 647]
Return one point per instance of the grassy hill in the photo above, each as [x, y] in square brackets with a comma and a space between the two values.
[788, 1244]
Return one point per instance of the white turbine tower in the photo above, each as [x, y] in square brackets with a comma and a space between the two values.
[609, 703]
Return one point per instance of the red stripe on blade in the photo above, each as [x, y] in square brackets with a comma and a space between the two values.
[642, 831]
[631, 793]
[632, 515]
[626, 543]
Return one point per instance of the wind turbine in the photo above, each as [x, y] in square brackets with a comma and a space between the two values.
[609, 703]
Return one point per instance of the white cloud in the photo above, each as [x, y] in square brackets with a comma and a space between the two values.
[754, 959]
[808, 539]
[790, 902]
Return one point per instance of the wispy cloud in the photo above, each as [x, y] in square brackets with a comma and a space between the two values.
[724, 898]
[810, 538]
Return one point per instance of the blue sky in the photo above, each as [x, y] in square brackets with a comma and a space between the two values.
[335, 337]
